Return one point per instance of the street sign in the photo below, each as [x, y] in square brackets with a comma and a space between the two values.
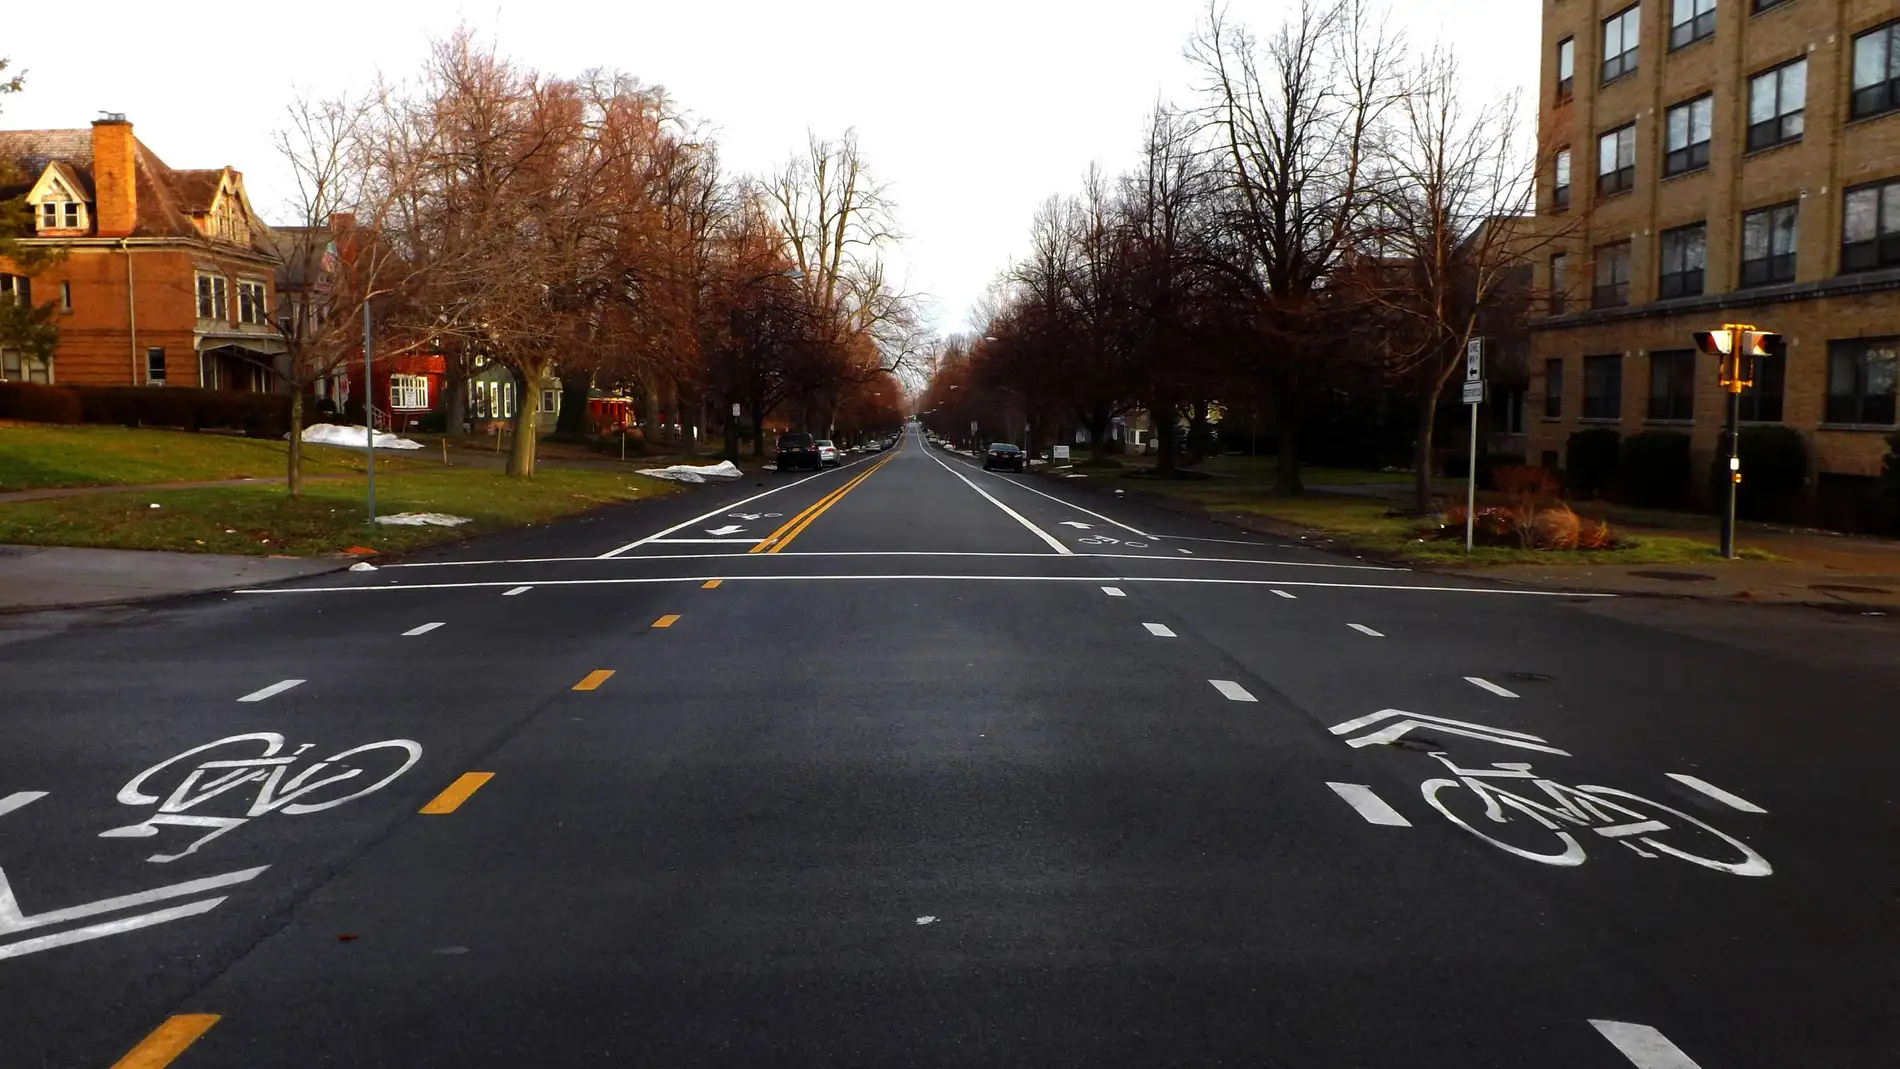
[735, 409]
[1474, 392]
[1062, 452]
[972, 426]
[1474, 360]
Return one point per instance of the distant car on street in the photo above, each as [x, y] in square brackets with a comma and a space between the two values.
[1005, 456]
[798, 451]
[827, 453]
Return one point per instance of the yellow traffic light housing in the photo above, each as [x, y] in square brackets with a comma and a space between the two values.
[1738, 346]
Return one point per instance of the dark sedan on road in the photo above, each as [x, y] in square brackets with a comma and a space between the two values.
[1005, 456]
[798, 451]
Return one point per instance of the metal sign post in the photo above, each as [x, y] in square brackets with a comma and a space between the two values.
[1474, 396]
[369, 414]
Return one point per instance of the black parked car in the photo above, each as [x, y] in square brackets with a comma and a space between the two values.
[1004, 455]
[798, 451]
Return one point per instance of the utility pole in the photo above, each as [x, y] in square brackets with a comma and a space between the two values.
[369, 413]
[1738, 346]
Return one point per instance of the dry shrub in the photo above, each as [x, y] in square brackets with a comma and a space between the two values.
[1555, 528]
[1495, 526]
[1595, 535]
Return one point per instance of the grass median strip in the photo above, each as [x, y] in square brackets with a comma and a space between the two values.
[167, 1041]
[456, 793]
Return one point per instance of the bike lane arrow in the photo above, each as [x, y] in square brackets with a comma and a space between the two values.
[12, 920]
[1078, 526]
[1403, 722]
[731, 528]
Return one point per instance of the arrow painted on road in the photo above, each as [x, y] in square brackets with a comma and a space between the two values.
[12, 920]
[1403, 722]
[731, 528]
[1078, 526]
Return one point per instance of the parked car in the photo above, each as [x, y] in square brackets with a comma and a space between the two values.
[873, 446]
[827, 452]
[798, 451]
[1004, 455]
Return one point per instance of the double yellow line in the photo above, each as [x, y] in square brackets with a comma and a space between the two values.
[795, 526]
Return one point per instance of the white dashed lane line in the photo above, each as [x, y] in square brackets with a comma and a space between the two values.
[1484, 684]
[1369, 805]
[1731, 800]
[516, 590]
[1364, 630]
[1645, 1047]
[1286, 595]
[1114, 592]
[1232, 691]
[273, 689]
[1160, 630]
[423, 630]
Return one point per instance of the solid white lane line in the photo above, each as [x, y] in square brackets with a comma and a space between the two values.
[875, 553]
[17, 799]
[641, 580]
[1223, 541]
[688, 542]
[517, 590]
[1369, 805]
[1010, 512]
[1731, 800]
[727, 508]
[1070, 504]
[1484, 684]
[1114, 592]
[1286, 595]
[1160, 630]
[423, 630]
[1232, 691]
[1364, 630]
[1645, 1047]
[274, 688]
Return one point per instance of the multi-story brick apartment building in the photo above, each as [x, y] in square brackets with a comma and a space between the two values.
[165, 276]
[1711, 161]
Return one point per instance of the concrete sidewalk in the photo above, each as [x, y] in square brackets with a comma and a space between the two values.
[57, 577]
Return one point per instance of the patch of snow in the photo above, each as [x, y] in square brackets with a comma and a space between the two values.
[333, 434]
[695, 473]
[420, 519]
[362, 566]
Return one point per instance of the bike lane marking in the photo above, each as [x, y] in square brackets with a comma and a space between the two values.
[1733, 801]
[515, 591]
[1114, 592]
[1364, 630]
[17, 799]
[423, 630]
[1284, 594]
[167, 1041]
[1484, 684]
[1645, 1047]
[1232, 691]
[456, 793]
[1369, 805]
[593, 679]
[1160, 630]
[271, 691]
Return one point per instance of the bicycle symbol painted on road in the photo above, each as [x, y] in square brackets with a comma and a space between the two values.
[255, 763]
[1105, 540]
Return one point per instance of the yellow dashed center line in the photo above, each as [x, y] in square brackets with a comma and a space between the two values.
[595, 678]
[710, 584]
[667, 621]
[457, 793]
[167, 1041]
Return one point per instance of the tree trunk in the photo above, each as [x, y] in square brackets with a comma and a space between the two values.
[732, 430]
[1422, 451]
[455, 417]
[689, 421]
[1161, 414]
[572, 419]
[293, 472]
[1286, 406]
[521, 452]
[758, 427]
[1099, 422]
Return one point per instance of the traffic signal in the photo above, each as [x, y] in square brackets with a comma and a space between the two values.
[1758, 343]
[1714, 342]
[1738, 346]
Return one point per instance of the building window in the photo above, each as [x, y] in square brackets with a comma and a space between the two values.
[1768, 238]
[1554, 388]
[408, 392]
[1761, 403]
[1763, 5]
[16, 288]
[1559, 283]
[1688, 127]
[1620, 32]
[1691, 21]
[1860, 380]
[1672, 384]
[155, 367]
[1613, 276]
[550, 401]
[1684, 257]
[1870, 227]
[1777, 103]
[211, 304]
[1616, 161]
[1602, 387]
[65, 296]
[1560, 180]
[251, 302]
[1566, 68]
[1877, 71]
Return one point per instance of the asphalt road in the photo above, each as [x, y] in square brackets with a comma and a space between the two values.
[912, 764]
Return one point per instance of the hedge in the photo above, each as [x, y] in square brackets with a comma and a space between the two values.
[1656, 469]
[258, 415]
[1592, 462]
[38, 404]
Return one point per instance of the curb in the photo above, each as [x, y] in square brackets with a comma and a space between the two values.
[147, 599]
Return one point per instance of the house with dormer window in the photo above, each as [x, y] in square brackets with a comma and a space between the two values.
[163, 277]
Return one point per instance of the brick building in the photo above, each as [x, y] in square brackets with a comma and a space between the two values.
[1711, 161]
[165, 276]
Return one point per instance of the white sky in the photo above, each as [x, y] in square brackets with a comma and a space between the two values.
[973, 111]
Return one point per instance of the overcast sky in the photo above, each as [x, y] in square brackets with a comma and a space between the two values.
[973, 111]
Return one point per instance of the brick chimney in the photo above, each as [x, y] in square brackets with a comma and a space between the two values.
[114, 176]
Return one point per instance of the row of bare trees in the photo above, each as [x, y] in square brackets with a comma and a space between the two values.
[1328, 214]
[583, 228]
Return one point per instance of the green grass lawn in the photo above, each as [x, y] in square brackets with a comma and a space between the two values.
[1362, 523]
[36, 456]
[263, 519]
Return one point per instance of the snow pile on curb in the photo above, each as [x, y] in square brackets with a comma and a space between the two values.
[423, 519]
[691, 473]
[332, 434]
